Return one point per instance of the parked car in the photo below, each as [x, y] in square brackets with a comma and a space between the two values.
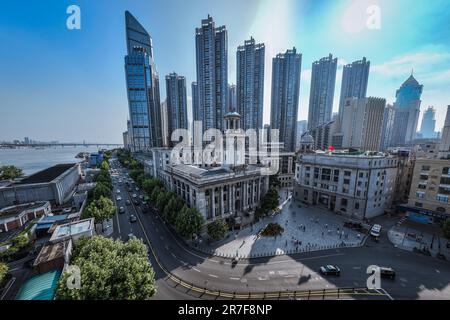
[387, 272]
[330, 270]
[133, 218]
[375, 230]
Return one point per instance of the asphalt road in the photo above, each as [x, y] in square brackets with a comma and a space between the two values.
[418, 276]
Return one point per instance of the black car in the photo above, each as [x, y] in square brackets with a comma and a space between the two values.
[128, 202]
[133, 218]
[330, 270]
[386, 272]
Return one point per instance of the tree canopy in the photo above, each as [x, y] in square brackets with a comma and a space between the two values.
[3, 272]
[100, 209]
[101, 190]
[110, 270]
[188, 222]
[10, 172]
[217, 229]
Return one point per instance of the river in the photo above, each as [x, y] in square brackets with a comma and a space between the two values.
[32, 160]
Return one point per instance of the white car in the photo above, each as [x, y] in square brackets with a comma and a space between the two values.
[375, 231]
[118, 191]
[119, 198]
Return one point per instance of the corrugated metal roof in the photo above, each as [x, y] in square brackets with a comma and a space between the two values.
[40, 287]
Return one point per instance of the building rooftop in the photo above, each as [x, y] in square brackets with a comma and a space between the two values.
[72, 228]
[51, 252]
[15, 210]
[40, 287]
[47, 175]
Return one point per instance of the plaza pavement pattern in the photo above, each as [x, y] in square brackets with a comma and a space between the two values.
[305, 229]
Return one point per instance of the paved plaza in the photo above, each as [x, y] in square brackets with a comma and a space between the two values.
[305, 229]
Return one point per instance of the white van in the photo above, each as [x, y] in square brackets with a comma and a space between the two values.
[375, 231]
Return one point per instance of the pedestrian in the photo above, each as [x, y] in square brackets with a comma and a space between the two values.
[326, 225]
[286, 243]
[358, 235]
[322, 234]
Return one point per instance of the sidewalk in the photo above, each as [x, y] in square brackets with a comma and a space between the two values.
[408, 237]
[305, 229]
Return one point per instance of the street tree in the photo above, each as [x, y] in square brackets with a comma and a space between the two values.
[104, 166]
[101, 190]
[101, 209]
[188, 222]
[217, 229]
[109, 270]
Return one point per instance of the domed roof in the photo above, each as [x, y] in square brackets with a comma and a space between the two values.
[307, 138]
[232, 114]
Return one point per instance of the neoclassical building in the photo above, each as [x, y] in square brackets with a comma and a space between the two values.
[233, 189]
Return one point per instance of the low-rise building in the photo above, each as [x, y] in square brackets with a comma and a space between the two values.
[14, 217]
[55, 184]
[358, 185]
[53, 256]
[73, 230]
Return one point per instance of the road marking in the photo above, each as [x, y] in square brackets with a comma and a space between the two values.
[195, 269]
[173, 255]
[235, 278]
[357, 268]
[213, 275]
[244, 280]
[290, 276]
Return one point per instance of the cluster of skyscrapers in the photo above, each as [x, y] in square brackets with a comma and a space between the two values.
[363, 122]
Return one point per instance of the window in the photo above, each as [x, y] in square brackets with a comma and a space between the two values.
[361, 175]
[344, 203]
[418, 204]
[445, 180]
[425, 168]
[446, 170]
[347, 173]
[444, 190]
[326, 174]
[442, 198]
[420, 195]
[346, 181]
[423, 177]
[357, 205]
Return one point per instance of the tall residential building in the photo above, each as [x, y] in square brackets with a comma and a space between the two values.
[323, 78]
[232, 98]
[195, 104]
[388, 127]
[362, 119]
[250, 83]
[165, 123]
[355, 77]
[444, 145]
[286, 70]
[212, 73]
[428, 126]
[407, 109]
[142, 88]
[302, 127]
[176, 103]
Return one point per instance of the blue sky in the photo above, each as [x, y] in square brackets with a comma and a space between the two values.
[70, 85]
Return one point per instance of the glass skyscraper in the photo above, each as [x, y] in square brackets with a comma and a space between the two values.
[286, 69]
[407, 109]
[250, 84]
[176, 103]
[142, 88]
[355, 77]
[323, 79]
[212, 74]
[428, 126]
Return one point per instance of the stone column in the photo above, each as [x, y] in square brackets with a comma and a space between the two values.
[213, 204]
[222, 209]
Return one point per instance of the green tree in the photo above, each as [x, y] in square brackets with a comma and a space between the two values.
[173, 207]
[217, 229]
[3, 272]
[446, 228]
[154, 195]
[104, 166]
[162, 200]
[104, 177]
[101, 190]
[101, 209]
[20, 241]
[150, 183]
[188, 222]
[10, 172]
[110, 270]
